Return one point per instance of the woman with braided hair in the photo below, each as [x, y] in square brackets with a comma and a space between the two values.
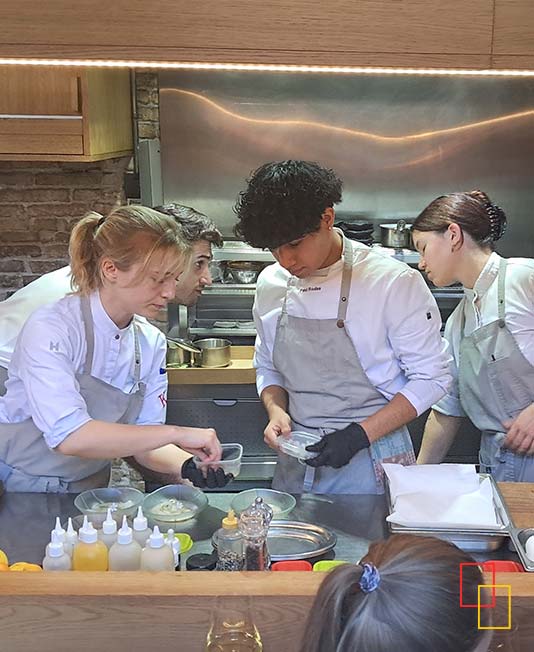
[491, 334]
[404, 596]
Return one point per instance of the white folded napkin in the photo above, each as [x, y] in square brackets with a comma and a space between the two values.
[444, 495]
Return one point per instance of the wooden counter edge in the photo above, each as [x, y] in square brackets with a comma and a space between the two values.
[193, 584]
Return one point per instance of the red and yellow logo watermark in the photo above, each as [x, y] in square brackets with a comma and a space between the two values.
[487, 566]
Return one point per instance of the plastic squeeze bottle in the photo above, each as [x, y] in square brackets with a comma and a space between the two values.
[89, 553]
[125, 553]
[157, 556]
[141, 531]
[108, 533]
[229, 545]
[60, 532]
[71, 538]
[174, 545]
[56, 559]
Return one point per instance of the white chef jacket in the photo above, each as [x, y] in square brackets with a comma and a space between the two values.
[481, 309]
[392, 320]
[20, 305]
[51, 349]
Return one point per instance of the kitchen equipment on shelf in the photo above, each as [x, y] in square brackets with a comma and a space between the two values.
[214, 353]
[359, 230]
[230, 460]
[174, 503]
[280, 502]
[243, 271]
[290, 540]
[180, 352]
[397, 235]
[122, 501]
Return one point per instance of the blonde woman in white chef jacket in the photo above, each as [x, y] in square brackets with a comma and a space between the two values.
[491, 333]
[87, 379]
[348, 344]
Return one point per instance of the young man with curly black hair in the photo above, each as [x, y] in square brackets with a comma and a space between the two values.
[348, 340]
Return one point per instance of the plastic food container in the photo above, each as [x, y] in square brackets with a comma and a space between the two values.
[280, 502]
[174, 503]
[230, 460]
[327, 564]
[295, 444]
[122, 501]
[297, 565]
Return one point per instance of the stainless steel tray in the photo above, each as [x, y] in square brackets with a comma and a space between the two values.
[472, 540]
[519, 537]
[295, 540]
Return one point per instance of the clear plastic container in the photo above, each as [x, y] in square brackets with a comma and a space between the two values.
[230, 460]
[295, 444]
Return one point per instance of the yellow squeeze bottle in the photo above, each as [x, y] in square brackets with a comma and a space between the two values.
[89, 553]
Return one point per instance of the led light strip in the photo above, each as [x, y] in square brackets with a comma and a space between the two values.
[347, 70]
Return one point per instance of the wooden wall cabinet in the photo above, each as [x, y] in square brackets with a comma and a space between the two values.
[64, 114]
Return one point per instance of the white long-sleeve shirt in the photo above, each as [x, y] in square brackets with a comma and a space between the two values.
[481, 309]
[51, 349]
[392, 319]
[15, 311]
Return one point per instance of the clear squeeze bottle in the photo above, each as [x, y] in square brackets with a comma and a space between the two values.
[157, 556]
[229, 544]
[174, 545]
[60, 532]
[141, 531]
[125, 553]
[108, 533]
[71, 538]
[56, 559]
[89, 553]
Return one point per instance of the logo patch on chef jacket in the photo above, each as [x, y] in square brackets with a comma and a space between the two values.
[163, 399]
[429, 315]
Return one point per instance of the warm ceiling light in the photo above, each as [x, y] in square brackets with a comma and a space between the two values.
[173, 65]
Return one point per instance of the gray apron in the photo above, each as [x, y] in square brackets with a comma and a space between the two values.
[496, 383]
[328, 389]
[3, 378]
[28, 464]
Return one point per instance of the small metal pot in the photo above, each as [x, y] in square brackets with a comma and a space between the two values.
[180, 352]
[397, 235]
[214, 353]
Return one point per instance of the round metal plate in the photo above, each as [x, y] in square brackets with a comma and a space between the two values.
[295, 540]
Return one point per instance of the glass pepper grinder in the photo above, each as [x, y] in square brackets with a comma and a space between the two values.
[254, 525]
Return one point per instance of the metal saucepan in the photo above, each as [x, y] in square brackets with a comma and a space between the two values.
[214, 352]
[181, 352]
[397, 235]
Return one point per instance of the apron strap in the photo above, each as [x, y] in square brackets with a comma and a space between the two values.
[501, 292]
[346, 280]
[87, 317]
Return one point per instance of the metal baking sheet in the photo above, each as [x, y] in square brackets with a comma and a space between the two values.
[470, 540]
[295, 540]
[519, 538]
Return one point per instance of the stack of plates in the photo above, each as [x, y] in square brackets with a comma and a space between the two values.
[359, 230]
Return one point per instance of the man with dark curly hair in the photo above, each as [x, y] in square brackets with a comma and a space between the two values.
[348, 340]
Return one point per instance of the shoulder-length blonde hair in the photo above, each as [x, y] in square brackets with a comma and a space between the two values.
[128, 235]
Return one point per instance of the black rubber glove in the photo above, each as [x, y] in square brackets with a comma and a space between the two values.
[212, 480]
[339, 447]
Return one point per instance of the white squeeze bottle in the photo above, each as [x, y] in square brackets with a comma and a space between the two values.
[60, 532]
[174, 545]
[71, 538]
[141, 531]
[125, 553]
[56, 559]
[108, 533]
[157, 556]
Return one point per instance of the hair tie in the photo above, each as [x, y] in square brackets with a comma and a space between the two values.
[370, 578]
[100, 222]
[497, 220]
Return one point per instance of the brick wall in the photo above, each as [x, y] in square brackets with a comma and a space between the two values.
[39, 203]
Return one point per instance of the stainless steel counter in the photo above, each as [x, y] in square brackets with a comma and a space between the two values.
[26, 521]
